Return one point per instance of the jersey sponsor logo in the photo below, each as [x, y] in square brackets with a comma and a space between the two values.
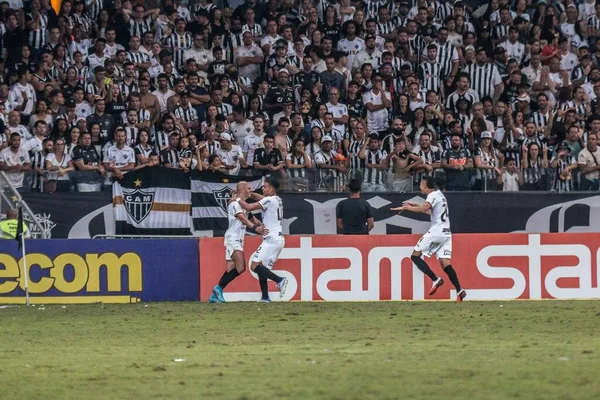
[138, 204]
[222, 197]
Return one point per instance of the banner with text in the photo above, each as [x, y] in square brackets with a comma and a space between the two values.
[83, 215]
[100, 271]
[355, 268]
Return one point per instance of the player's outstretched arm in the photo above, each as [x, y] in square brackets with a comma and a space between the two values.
[424, 208]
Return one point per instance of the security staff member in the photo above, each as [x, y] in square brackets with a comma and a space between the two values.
[8, 227]
[353, 215]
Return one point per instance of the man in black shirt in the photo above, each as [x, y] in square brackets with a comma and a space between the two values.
[106, 121]
[353, 215]
[89, 166]
[280, 94]
[268, 160]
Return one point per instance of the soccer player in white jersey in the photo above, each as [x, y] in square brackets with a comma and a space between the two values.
[438, 239]
[234, 241]
[263, 259]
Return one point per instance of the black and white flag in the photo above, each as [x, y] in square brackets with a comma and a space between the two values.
[152, 201]
[210, 195]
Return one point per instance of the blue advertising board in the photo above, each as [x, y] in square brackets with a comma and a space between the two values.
[75, 271]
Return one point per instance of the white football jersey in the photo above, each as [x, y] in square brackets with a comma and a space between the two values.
[440, 220]
[272, 214]
[236, 229]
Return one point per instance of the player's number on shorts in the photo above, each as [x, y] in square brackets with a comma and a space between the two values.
[445, 213]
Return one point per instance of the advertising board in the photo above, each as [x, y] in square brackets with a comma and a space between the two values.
[355, 268]
[100, 271]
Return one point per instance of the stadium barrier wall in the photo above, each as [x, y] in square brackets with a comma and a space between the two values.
[107, 271]
[354, 268]
[90, 214]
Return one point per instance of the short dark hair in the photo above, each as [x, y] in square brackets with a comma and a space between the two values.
[429, 181]
[273, 182]
[354, 186]
[508, 159]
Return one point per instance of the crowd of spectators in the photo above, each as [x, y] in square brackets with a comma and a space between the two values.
[493, 96]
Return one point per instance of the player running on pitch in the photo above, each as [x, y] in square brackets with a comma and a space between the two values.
[438, 239]
[234, 241]
[266, 255]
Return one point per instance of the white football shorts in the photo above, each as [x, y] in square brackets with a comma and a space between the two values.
[429, 244]
[268, 251]
[232, 246]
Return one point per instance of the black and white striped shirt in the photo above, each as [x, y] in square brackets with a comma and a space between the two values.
[500, 32]
[446, 55]
[225, 109]
[178, 44]
[353, 150]
[452, 101]
[443, 11]
[169, 157]
[385, 28]
[186, 114]
[513, 147]
[137, 57]
[38, 160]
[540, 120]
[486, 159]
[566, 185]
[430, 74]
[128, 88]
[374, 176]
[534, 173]
[484, 78]
[430, 157]
[81, 20]
[91, 88]
[160, 140]
[594, 22]
[139, 28]
[38, 37]
[255, 30]
[144, 152]
[92, 9]
[416, 46]
[300, 173]
[580, 109]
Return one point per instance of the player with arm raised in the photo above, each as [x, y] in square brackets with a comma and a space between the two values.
[234, 241]
[438, 239]
[263, 259]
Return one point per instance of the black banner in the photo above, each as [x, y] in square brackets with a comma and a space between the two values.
[83, 215]
[72, 215]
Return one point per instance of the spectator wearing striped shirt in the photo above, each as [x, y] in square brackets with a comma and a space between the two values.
[376, 162]
[140, 60]
[179, 41]
[298, 164]
[430, 154]
[564, 180]
[140, 21]
[463, 91]
[485, 77]
[430, 71]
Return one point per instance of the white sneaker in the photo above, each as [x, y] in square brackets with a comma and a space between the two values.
[436, 284]
[282, 286]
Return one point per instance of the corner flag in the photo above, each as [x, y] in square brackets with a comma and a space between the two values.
[19, 235]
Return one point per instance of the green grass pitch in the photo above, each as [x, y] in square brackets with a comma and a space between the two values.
[386, 350]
